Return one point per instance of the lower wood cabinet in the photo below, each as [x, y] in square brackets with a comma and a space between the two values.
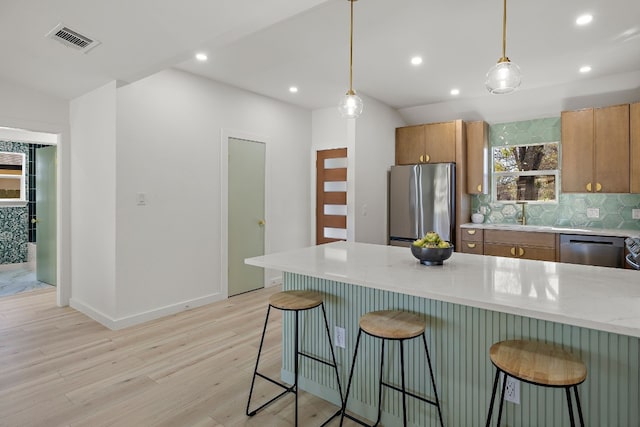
[472, 241]
[520, 244]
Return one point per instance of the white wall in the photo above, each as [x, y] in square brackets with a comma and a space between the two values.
[93, 203]
[375, 136]
[532, 103]
[328, 131]
[25, 108]
[168, 147]
[370, 142]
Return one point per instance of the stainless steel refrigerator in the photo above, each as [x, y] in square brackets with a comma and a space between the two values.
[421, 199]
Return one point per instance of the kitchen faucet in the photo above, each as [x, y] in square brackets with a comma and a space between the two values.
[522, 218]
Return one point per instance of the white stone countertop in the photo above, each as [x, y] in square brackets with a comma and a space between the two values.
[600, 298]
[609, 232]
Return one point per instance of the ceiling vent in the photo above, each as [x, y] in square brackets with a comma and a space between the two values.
[71, 38]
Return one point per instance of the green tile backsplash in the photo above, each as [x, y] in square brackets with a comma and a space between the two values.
[615, 210]
[14, 232]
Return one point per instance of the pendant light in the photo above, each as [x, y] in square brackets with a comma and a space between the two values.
[351, 105]
[504, 77]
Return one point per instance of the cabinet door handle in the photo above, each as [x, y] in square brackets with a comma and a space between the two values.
[589, 187]
[471, 245]
[421, 158]
[520, 251]
[598, 186]
[479, 188]
[427, 158]
[513, 251]
[471, 232]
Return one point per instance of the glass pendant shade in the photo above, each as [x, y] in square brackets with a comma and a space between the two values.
[504, 77]
[350, 106]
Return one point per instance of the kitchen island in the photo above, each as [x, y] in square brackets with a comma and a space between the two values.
[471, 302]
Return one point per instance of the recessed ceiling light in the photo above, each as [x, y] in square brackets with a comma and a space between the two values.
[201, 57]
[584, 19]
[455, 92]
[416, 60]
[585, 68]
[293, 89]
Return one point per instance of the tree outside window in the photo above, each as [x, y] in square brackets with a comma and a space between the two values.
[527, 173]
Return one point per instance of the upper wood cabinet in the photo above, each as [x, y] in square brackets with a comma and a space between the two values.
[595, 150]
[478, 157]
[634, 120]
[430, 143]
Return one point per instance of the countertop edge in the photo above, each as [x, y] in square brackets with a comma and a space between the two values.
[609, 232]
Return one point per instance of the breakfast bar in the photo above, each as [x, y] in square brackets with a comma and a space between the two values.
[470, 303]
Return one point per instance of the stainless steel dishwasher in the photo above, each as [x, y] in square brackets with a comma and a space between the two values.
[592, 250]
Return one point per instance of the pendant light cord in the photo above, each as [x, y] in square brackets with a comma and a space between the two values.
[351, 51]
[504, 33]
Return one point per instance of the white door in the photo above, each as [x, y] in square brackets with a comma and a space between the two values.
[246, 214]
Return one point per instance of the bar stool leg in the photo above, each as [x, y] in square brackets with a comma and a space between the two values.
[380, 385]
[504, 387]
[404, 387]
[295, 369]
[433, 380]
[570, 406]
[575, 390]
[333, 354]
[353, 364]
[493, 397]
[255, 371]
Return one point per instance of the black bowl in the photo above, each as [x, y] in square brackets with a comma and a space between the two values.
[431, 256]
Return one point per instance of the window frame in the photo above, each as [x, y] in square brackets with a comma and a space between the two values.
[22, 201]
[543, 172]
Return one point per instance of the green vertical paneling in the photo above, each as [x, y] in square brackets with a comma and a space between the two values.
[459, 338]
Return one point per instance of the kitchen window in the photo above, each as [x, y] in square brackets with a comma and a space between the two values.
[525, 173]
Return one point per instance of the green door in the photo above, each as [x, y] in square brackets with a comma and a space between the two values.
[246, 214]
[46, 253]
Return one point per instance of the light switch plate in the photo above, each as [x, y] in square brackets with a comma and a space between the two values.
[593, 213]
[635, 213]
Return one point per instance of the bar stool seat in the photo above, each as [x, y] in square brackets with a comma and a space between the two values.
[392, 325]
[296, 301]
[537, 363]
[396, 326]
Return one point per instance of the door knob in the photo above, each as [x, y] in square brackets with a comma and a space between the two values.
[589, 187]
[427, 158]
[34, 220]
[598, 186]
[421, 158]
[513, 251]
[479, 188]
[520, 251]
[261, 222]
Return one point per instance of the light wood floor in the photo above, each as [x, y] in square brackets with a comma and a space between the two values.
[60, 368]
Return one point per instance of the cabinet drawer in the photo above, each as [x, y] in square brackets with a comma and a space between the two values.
[472, 235]
[520, 251]
[472, 247]
[522, 238]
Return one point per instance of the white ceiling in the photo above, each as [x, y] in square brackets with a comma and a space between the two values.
[267, 46]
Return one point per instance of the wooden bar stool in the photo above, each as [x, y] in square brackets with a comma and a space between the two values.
[540, 364]
[395, 326]
[296, 301]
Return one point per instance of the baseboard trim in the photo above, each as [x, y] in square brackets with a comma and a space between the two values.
[135, 319]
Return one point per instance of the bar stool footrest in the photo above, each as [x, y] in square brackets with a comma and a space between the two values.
[287, 389]
[362, 423]
[408, 393]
